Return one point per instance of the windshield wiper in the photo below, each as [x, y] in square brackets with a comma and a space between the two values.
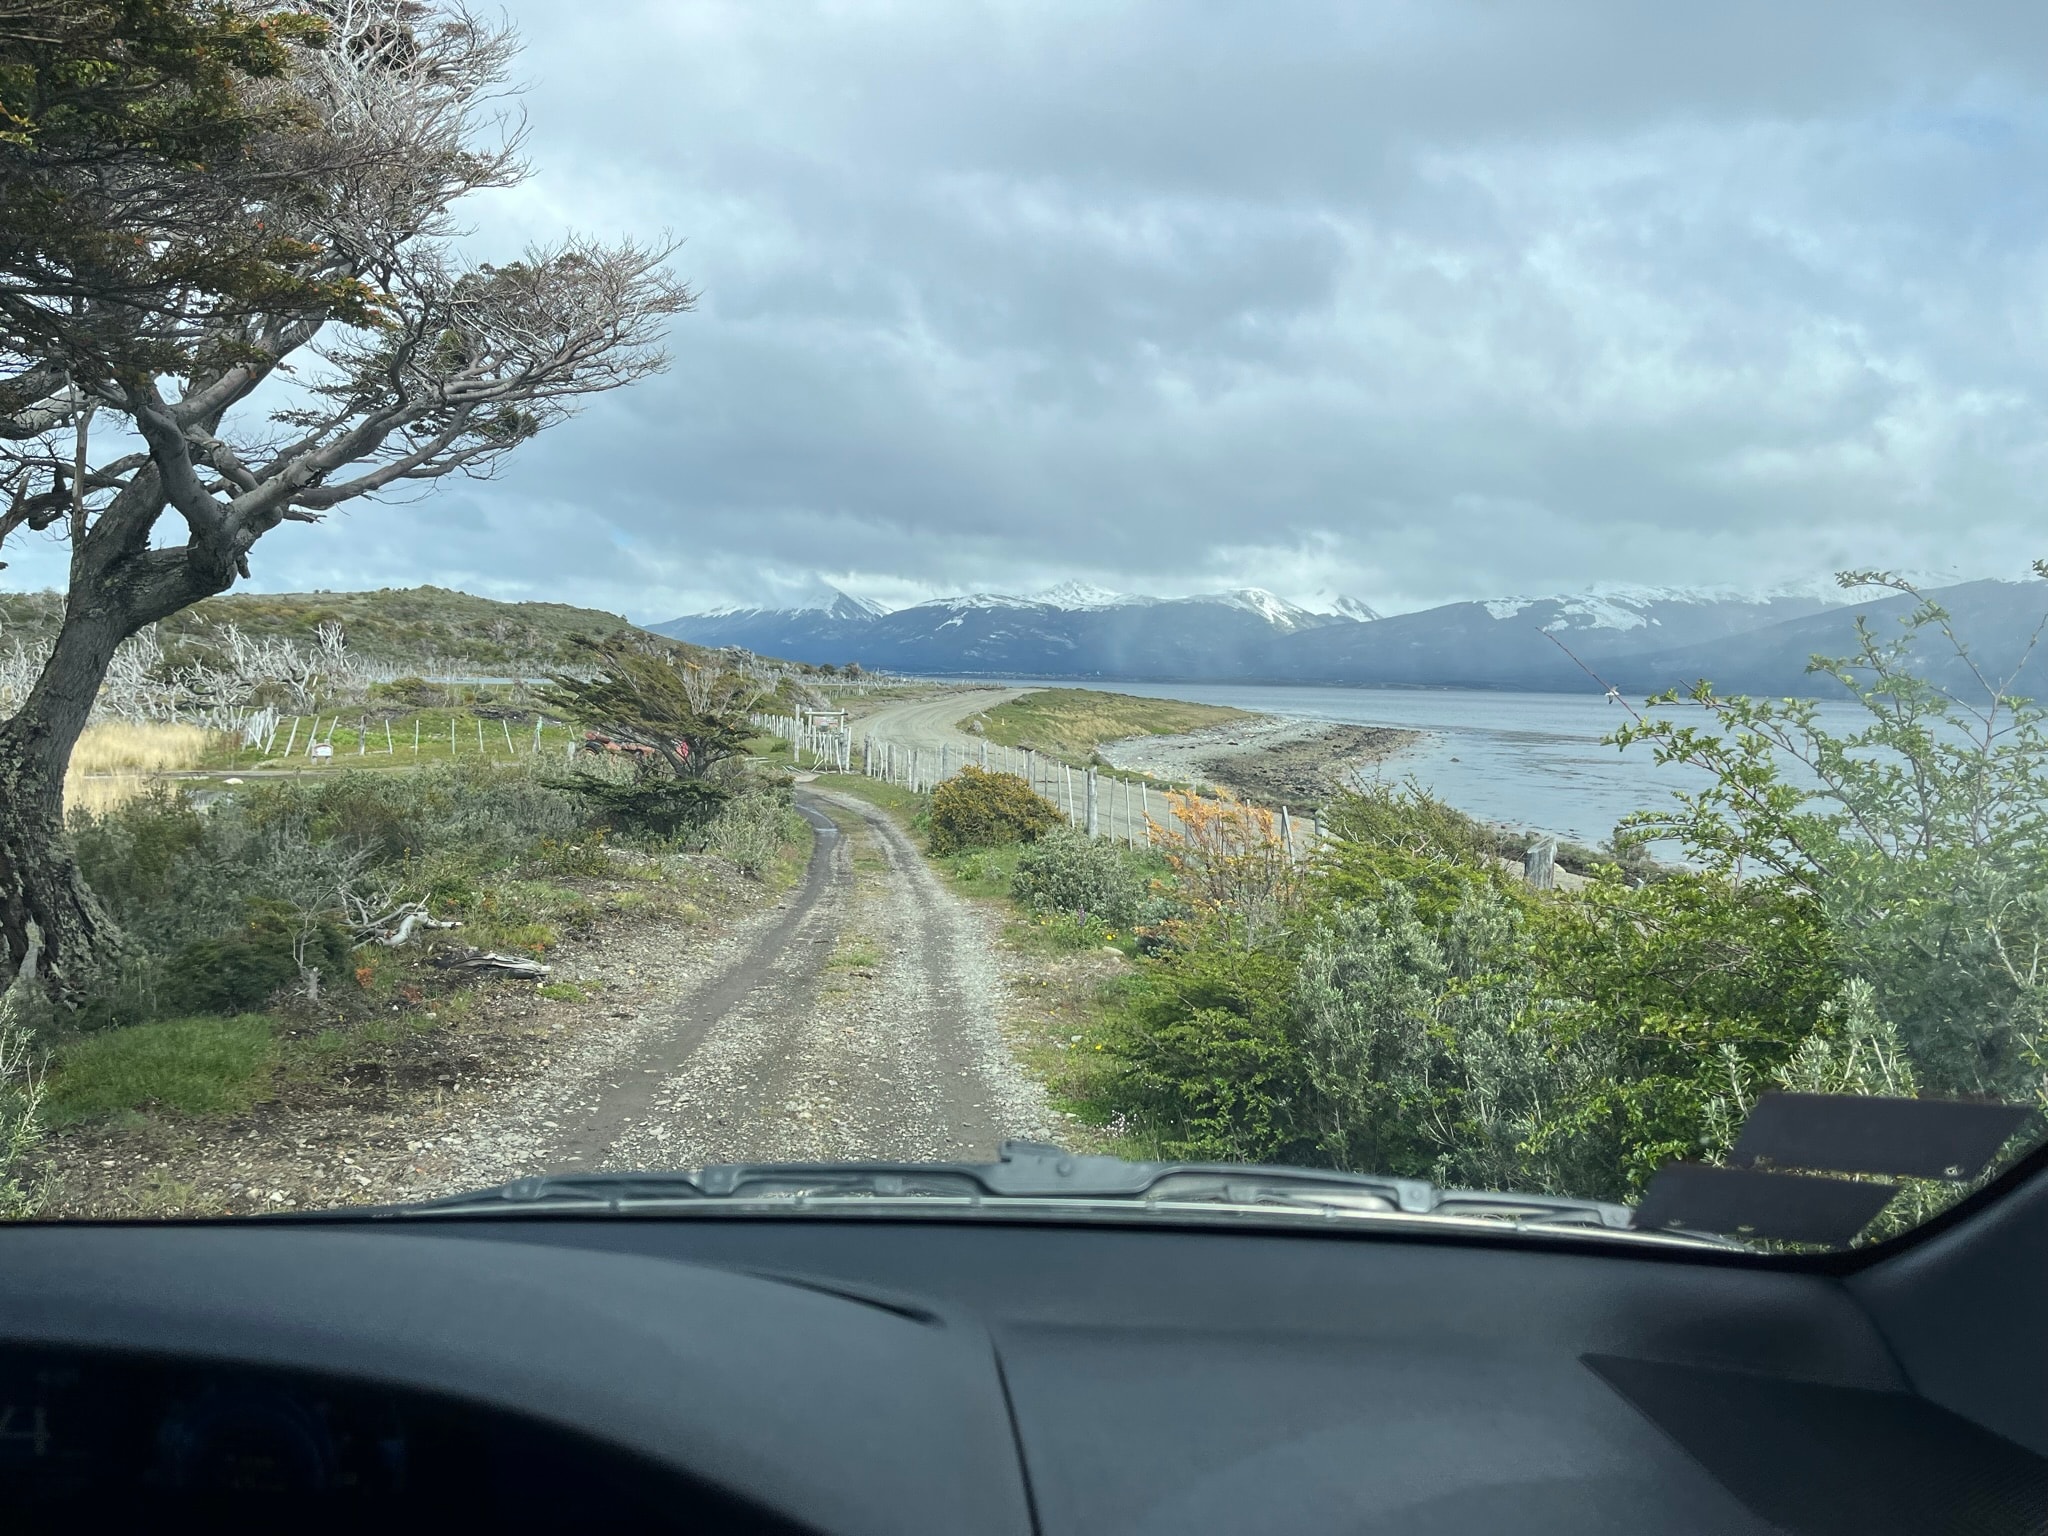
[1035, 1175]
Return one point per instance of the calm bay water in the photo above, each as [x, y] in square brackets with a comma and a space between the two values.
[1529, 760]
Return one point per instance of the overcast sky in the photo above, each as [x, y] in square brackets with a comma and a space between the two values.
[1415, 301]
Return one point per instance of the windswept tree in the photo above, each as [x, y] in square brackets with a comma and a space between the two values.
[689, 715]
[238, 304]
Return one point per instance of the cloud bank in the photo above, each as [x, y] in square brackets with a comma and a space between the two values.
[1413, 300]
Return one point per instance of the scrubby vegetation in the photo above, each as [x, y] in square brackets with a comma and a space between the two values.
[410, 626]
[1068, 873]
[976, 809]
[1404, 1004]
[256, 917]
[1072, 722]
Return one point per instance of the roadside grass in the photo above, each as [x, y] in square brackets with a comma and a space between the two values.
[786, 869]
[1072, 723]
[196, 1066]
[983, 872]
[907, 806]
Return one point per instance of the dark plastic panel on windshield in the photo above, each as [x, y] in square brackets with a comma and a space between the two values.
[1850, 1133]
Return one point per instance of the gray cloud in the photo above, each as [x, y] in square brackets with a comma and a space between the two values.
[1418, 300]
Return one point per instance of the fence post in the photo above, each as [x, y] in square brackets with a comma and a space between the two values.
[451, 738]
[1539, 867]
[389, 749]
[415, 735]
[1287, 833]
[1092, 829]
[945, 761]
[293, 741]
[510, 750]
[538, 722]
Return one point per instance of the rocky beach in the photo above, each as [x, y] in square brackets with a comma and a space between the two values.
[1271, 758]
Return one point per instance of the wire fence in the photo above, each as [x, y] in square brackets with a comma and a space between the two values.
[1122, 808]
[323, 738]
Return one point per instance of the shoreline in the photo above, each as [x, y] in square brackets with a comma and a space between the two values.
[1285, 759]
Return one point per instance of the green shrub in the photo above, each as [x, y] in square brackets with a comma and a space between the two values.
[987, 810]
[1071, 873]
[751, 829]
[1199, 1053]
[661, 806]
[195, 1066]
[243, 970]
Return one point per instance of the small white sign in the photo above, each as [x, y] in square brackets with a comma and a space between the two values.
[323, 750]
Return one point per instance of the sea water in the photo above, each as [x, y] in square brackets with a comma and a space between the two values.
[1535, 761]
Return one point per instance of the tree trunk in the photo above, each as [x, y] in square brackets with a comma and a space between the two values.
[53, 930]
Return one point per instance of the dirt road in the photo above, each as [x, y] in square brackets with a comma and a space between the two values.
[856, 1020]
[930, 723]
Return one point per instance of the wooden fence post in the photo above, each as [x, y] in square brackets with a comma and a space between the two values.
[293, 741]
[1093, 829]
[1539, 866]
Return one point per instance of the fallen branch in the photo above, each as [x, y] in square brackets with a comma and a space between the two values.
[478, 960]
[380, 930]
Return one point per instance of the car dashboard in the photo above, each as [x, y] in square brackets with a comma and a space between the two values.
[739, 1373]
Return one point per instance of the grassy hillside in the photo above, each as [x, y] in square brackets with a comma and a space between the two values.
[1073, 722]
[398, 625]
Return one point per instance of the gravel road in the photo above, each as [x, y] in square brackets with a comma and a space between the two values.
[933, 722]
[858, 1019]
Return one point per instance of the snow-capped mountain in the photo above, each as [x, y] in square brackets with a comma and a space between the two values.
[1639, 638]
[819, 627]
[1074, 629]
[830, 602]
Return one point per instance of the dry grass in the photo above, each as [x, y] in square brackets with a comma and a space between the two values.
[1073, 722]
[117, 746]
[114, 760]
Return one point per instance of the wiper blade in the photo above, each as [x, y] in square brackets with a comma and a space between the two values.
[1030, 1173]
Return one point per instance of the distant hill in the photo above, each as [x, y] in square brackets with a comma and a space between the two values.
[1996, 619]
[432, 628]
[1071, 631]
[1521, 643]
[1641, 639]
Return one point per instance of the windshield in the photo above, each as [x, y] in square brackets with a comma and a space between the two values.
[1023, 611]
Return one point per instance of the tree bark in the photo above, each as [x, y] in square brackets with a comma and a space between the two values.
[53, 930]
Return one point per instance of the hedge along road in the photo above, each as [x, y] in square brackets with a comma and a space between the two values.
[857, 1019]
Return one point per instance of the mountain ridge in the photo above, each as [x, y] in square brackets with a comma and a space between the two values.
[1646, 638]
